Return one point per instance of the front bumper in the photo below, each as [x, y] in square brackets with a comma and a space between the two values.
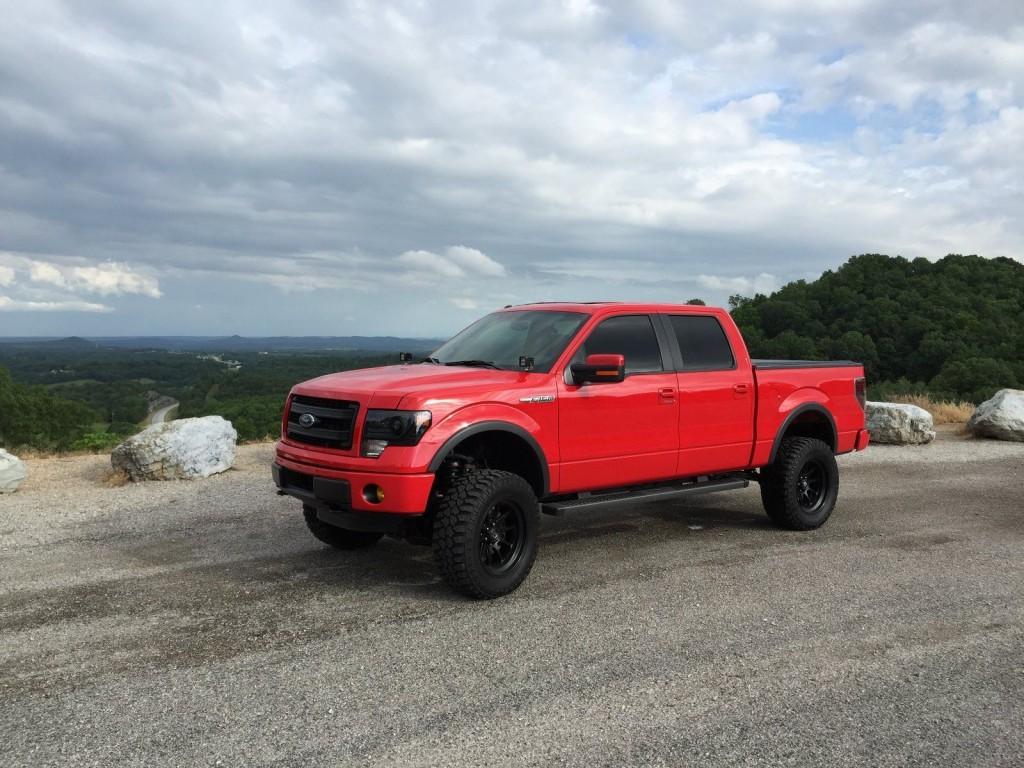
[343, 490]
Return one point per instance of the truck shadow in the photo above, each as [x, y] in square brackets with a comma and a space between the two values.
[656, 521]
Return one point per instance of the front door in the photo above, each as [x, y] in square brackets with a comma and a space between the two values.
[625, 432]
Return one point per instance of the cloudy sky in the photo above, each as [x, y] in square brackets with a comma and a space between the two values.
[316, 167]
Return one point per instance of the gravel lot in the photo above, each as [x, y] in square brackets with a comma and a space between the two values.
[199, 624]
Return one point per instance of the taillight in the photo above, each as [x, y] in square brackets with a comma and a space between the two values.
[860, 386]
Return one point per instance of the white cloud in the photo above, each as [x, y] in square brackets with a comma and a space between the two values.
[114, 279]
[458, 261]
[464, 302]
[474, 260]
[428, 261]
[106, 279]
[41, 272]
[762, 283]
[53, 286]
[14, 305]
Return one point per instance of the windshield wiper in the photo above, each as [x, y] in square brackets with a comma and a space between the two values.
[433, 360]
[475, 363]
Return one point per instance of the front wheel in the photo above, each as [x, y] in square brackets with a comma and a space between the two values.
[799, 490]
[485, 533]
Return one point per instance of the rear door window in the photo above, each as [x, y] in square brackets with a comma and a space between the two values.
[702, 343]
[632, 336]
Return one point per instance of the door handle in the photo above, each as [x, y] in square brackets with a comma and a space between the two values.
[667, 394]
[741, 389]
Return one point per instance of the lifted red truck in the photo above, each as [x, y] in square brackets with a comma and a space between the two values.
[555, 408]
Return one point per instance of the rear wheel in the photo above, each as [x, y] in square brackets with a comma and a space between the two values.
[799, 490]
[339, 538]
[485, 533]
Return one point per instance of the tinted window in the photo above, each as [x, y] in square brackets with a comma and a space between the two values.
[702, 343]
[500, 338]
[630, 335]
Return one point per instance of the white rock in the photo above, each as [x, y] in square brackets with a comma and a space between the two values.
[174, 450]
[1002, 417]
[12, 472]
[899, 424]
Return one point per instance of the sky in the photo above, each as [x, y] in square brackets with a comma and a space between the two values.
[336, 168]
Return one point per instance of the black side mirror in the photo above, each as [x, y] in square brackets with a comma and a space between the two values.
[599, 369]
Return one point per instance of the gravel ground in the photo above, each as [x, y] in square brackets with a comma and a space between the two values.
[199, 624]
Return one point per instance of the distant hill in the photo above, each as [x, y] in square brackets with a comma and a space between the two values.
[953, 327]
[238, 343]
[50, 342]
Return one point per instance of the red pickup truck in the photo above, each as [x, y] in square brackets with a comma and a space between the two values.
[556, 408]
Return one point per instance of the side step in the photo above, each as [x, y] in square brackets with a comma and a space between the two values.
[641, 495]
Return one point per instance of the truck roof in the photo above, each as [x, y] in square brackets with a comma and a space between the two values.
[595, 307]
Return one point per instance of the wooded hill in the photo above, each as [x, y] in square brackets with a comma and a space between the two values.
[953, 328]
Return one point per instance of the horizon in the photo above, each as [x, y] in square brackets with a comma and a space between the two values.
[379, 168]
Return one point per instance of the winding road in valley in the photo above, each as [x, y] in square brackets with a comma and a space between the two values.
[161, 415]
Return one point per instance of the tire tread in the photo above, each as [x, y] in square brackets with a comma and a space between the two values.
[454, 524]
[778, 478]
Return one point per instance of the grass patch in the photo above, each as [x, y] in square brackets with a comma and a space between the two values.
[942, 411]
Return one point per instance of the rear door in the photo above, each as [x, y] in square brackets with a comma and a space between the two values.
[624, 432]
[716, 396]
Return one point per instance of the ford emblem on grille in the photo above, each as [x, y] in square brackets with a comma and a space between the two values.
[307, 420]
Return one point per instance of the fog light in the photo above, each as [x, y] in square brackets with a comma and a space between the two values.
[373, 494]
[374, 448]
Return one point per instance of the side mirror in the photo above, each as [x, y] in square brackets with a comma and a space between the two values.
[599, 369]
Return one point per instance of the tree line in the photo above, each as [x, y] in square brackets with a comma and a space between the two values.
[952, 328]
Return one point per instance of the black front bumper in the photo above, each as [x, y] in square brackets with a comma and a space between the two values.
[317, 491]
[332, 500]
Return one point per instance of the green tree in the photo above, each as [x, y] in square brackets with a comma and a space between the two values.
[956, 324]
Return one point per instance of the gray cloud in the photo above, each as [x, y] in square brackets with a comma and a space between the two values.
[435, 160]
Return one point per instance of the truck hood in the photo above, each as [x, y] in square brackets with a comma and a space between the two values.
[418, 385]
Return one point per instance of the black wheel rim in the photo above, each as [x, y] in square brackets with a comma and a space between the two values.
[501, 537]
[810, 486]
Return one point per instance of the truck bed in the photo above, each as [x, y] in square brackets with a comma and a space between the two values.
[784, 385]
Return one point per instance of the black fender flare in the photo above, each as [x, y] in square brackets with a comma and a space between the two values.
[494, 426]
[794, 415]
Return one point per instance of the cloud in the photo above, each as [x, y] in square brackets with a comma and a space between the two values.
[464, 302]
[762, 283]
[114, 279]
[13, 305]
[105, 279]
[458, 261]
[49, 286]
[428, 261]
[585, 149]
[475, 261]
[41, 272]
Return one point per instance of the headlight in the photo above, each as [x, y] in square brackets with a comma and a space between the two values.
[384, 428]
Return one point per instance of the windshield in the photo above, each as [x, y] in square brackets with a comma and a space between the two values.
[502, 337]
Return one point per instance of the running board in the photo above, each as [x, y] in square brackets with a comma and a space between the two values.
[642, 495]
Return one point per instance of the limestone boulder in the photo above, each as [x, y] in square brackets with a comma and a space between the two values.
[1001, 417]
[12, 472]
[178, 450]
[899, 424]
